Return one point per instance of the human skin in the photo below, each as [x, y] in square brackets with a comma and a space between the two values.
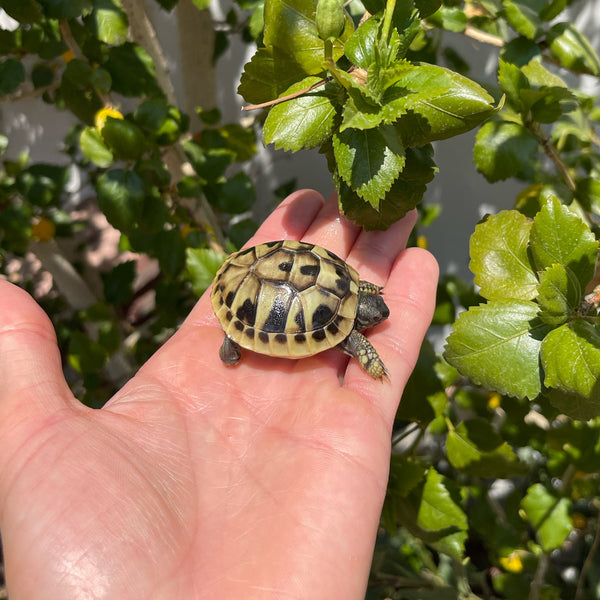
[201, 481]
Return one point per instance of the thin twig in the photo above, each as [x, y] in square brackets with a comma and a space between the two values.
[310, 88]
[28, 94]
[482, 36]
[587, 563]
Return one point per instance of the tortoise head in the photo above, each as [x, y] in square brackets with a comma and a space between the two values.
[371, 310]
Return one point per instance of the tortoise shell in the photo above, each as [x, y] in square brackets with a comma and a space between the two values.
[286, 298]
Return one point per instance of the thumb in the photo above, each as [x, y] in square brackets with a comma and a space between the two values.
[32, 384]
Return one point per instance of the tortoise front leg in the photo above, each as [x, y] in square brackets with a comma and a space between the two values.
[230, 352]
[360, 348]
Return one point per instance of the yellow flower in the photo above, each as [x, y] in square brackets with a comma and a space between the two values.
[512, 563]
[103, 114]
[494, 401]
[422, 242]
[68, 55]
[43, 229]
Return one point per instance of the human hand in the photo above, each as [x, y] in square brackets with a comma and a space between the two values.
[199, 481]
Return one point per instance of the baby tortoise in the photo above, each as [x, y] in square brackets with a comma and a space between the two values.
[292, 299]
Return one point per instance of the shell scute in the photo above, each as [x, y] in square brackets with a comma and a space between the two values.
[286, 298]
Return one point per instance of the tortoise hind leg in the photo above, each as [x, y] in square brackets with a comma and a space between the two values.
[230, 352]
[360, 348]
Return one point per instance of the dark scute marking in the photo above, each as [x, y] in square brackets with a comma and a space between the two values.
[221, 287]
[312, 270]
[286, 266]
[299, 318]
[238, 325]
[321, 317]
[271, 244]
[246, 251]
[332, 328]
[281, 338]
[319, 335]
[300, 337]
[332, 255]
[247, 312]
[340, 272]
[275, 322]
[229, 299]
[249, 332]
[221, 301]
[343, 285]
[229, 316]
[263, 337]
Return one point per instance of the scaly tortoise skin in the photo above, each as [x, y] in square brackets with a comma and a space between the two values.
[293, 299]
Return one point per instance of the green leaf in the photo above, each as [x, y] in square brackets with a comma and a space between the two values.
[512, 81]
[438, 512]
[369, 161]
[118, 283]
[559, 294]
[132, 71]
[497, 345]
[12, 75]
[84, 354]
[359, 47]
[559, 236]
[449, 104]
[304, 122]
[24, 11]
[499, 257]
[524, 16]
[121, 196]
[77, 91]
[406, 192]
[548, 515]
[450, 18]
[573, 49]
[124, 138]
[268, 74]
[290, 26]
[475, 447]
[66, 9]
[502, 149]
[93, 147]
[427, 7]
[109, 22]
[202, 265]
[235, 195]
[570, 356]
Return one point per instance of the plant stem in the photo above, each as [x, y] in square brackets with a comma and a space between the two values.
[390, 5]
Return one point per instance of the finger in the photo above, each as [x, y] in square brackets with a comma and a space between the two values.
[332, 230]
[410, 294]
[31, 377]
[374, 252]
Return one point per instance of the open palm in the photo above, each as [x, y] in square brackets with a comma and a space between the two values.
[265, 480]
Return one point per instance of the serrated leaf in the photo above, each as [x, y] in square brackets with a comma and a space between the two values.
[512, 81]
[268, 74]
[291, 27]
[369, 161]
[559, 236]
[118, 283]
[109, 22]
[497, 345]
[559, 294]
[406, 192]
[359, 46]
[304, 122]
[447, 104]
[202, 265]
[438, 512]
[132, 71]
[573, 49]
[501, 150]
[570, 356]
[548, 515]
[93, 147]
[499, 257]
[524, 16]
[405, 474]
